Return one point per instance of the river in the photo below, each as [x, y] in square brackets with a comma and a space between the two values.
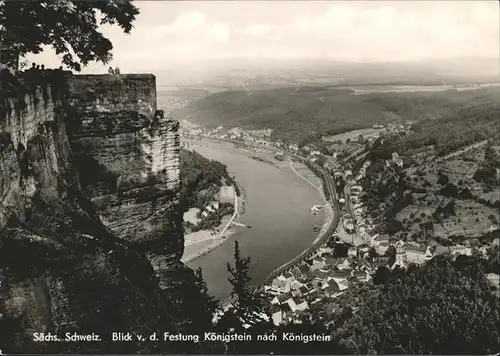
[278, 204]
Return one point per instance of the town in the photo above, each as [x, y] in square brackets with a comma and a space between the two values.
[359, 248]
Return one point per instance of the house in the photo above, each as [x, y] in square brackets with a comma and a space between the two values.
[339, 276]
[296, 284]
[360, 275]
[324, 250]
[209, 208]
[382, 247]
[345, 264]
[348, 225]
[312, 287]
[297, 293]
[294, 306]
[357, 188]
[460, 250]
[215, 205]
[324, 283]
[363, 226]
[401, 263]
[417, 254]
[343, 285]
[281, 285]
[280, 315]
[304, 270]
[303, 279]
[382, 238]
[352, 252]
[400, 253]
[357, 206]
[331, 288]
[270, 290]
[296, 273]
[358, 211]
[330, 268]
[494, 279]
[381, 260]
[317, 264]
[331, 261]
[319, 275]
[281, 298]
[204, 214]
[370, 240]
[304, 290]
[288, 276]
[363, 250]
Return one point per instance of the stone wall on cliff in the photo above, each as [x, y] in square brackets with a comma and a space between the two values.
[127, 155]
[61, 269]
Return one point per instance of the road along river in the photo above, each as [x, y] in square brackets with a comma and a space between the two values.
[277, 205]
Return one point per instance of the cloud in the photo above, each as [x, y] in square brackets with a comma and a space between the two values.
[258, 29]
[220, 32]
[186, 23]
[403, 30]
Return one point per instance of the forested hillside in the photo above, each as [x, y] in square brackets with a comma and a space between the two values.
[447, 134]
[201, 179]
[296, 114]
[443, 307]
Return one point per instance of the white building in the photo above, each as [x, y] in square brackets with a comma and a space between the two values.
[417, 254]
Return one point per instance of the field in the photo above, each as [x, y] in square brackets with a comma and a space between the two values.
[353, 135]
[362, 90]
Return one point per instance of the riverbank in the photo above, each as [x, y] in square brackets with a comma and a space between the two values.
[199, 243]
[329, 213]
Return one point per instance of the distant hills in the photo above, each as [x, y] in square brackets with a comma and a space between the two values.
[231, 71]
[297, 114]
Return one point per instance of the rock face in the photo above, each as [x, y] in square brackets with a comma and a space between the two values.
[127, 156]
[61, 269]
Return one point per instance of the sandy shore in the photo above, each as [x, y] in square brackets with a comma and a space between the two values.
[212, 244]
[199, 243]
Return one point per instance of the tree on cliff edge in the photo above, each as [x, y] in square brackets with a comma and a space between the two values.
[70, 27]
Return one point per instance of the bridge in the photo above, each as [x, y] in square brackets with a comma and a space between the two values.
[330, 185]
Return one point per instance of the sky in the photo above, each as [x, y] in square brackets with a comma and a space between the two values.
[167, 33]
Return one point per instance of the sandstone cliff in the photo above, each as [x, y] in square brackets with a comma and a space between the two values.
[61, 269]
[127, 156]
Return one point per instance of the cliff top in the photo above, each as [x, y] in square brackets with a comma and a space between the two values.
[12, 85]
[110, 77]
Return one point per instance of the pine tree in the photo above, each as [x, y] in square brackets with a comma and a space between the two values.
[248, 304]
[208, 305]
[489, 153]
